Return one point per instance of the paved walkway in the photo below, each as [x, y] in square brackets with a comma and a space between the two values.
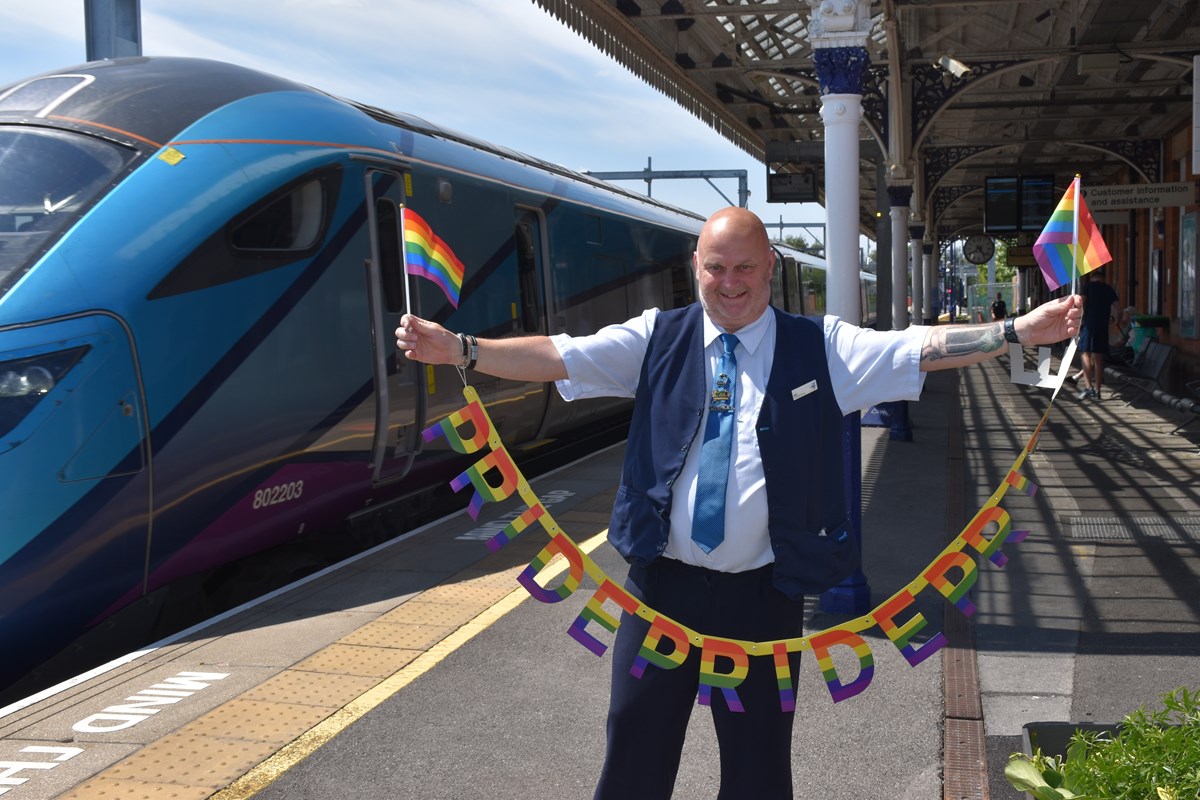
[1097, 612]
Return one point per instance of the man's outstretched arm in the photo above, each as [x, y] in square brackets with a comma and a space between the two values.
[524, 358]
[953, 346]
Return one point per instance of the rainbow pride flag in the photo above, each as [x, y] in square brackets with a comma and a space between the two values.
[425, 254]
[1070, 245]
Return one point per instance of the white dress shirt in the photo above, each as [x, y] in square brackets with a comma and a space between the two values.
[866, 366]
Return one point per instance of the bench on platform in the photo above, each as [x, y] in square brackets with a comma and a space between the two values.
[1126, 356]
[1145, 373]
[1193, 408]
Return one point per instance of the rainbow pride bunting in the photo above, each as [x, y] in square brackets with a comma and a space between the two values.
[724, 663]
[425, 254]
[1070, 245]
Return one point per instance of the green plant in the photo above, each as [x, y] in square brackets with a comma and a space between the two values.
[1154, 756]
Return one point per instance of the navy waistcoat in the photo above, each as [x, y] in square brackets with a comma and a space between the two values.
[800, 441]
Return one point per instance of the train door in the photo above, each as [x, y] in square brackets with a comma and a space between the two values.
[778, 283]
[398, 383]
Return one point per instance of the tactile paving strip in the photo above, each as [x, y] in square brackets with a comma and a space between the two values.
[482, 590]
[405, 636]
[353, 659]
[259, 721]
[191, 759]
[1180, 530]
[330, 691]
[423, 612]
[111, 789]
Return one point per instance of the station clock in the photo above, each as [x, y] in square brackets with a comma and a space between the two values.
[979, 248]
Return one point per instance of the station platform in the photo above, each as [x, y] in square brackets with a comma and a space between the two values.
[422, 669]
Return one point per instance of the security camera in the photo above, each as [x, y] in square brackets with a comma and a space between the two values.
[954, 66]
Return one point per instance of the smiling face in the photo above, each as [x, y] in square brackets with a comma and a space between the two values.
[734, 262]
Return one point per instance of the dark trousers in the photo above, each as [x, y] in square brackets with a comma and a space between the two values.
[648, 716]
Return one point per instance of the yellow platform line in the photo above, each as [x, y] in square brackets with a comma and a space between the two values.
[310, 741]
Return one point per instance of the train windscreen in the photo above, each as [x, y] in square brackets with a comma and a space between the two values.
[50, 177]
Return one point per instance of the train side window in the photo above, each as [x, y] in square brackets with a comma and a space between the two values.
[391, 254]
[291, 222]
[528, 273]
[792, 287]
[593, 229]
[280, 229]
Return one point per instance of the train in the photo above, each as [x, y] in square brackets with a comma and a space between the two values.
[201, 267]
[798, 285]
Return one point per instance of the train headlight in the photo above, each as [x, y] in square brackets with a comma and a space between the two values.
[25, 381]
[33, 380]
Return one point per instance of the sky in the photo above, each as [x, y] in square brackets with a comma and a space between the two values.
[504, 71]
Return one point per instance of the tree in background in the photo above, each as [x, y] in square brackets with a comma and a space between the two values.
[1004, 272]
[800, 243]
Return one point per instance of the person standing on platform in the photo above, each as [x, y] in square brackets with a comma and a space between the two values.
[731, 506]
[999, 308]
[1098, 301]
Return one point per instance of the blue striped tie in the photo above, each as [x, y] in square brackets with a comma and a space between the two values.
[708, 518]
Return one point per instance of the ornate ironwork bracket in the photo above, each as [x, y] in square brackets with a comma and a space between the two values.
[1144, 154]
[937, 161]
[944, 197]
[933, 88]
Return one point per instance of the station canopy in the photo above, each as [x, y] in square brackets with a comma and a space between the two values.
[1050, 87]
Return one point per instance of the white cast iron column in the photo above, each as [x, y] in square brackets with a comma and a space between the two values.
[838, 30]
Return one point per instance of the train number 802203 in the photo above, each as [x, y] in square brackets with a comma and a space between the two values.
[278, 494]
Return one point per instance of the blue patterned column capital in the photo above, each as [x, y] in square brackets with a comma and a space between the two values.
[841, 70]
[838, 31]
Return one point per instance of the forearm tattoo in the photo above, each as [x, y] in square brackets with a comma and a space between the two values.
[956, 340]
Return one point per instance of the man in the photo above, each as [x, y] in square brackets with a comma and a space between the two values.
[1098, 301]
[999, 308]
[777, 390]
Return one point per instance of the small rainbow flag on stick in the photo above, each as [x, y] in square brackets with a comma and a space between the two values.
[425, 254]
[1070, 245]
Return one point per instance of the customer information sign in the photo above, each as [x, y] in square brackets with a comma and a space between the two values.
[1140, 195]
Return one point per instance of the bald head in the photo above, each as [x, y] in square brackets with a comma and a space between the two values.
[739, 223]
